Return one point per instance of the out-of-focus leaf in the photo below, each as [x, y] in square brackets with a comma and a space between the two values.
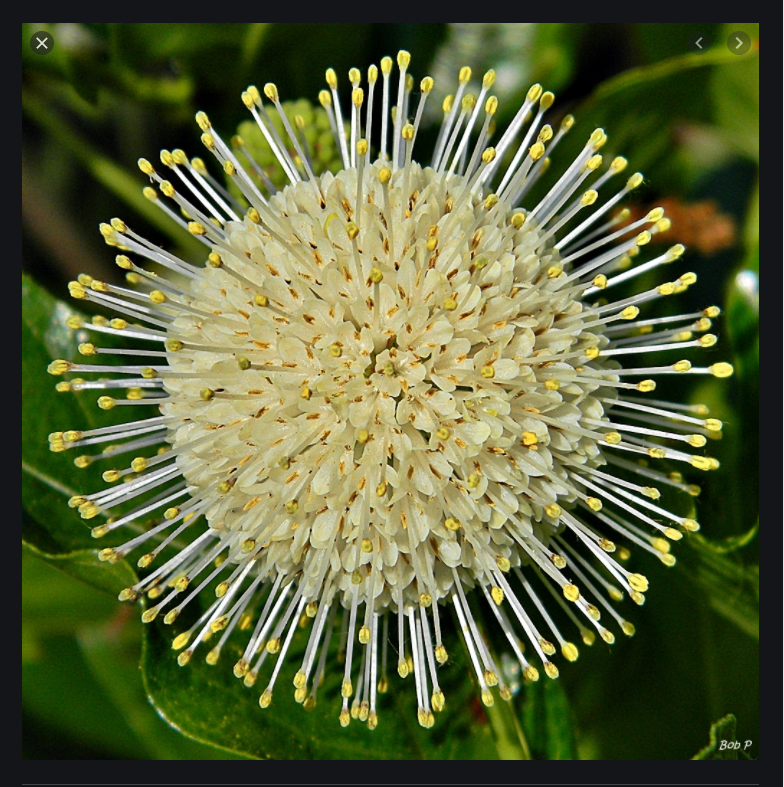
[83, 564]
[722, 745]
[54, 603]
[113, 177]
[735, 93]
[59, 689]
[641, 108]
[31, 649]
[553, 52]
[743, 318]
[142, 42]
[547, 721]
[209, 704]
[85, 58]
[662, 40]
[59, 603]
[510, 741]
[732, 588]
[74, 44]
[112, 653]
[181, 56]
[726, 545]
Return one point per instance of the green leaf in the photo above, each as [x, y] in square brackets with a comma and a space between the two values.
[726, 545]
[643, 108]
[735, 93]
[554, 47]
[510, 740]
[59, 690]
[547, 721]
[732, 587]
[166, 62]
[662, 40]
[83, 564]
[723, 744]
[126, 186]
[209, 704]
[48, 479]
[54, 602]
[50, 529]
[109, 637]
[112, 653]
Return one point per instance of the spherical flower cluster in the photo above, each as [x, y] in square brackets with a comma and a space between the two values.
[389, 387]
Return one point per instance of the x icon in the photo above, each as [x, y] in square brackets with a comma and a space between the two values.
[42, 42]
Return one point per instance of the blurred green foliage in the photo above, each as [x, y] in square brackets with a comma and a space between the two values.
[723, 743]
[110, 93]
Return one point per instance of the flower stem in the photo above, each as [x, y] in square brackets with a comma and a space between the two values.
[508, 734]
[126, 186]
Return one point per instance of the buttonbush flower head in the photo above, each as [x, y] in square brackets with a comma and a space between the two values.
[387, 389]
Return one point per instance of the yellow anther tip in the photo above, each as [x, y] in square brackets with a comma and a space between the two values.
[721, 369]
[618, 164]
[594, 503]
[638, 582]
[634, 181]
[589, 197]
[551, 670]
[487, 698]
[569, 651]
[598, 138]
[688, 279]
[571, 592]
[630, 313]
[265, 699]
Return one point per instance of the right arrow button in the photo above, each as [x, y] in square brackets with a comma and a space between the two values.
[739, 42]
